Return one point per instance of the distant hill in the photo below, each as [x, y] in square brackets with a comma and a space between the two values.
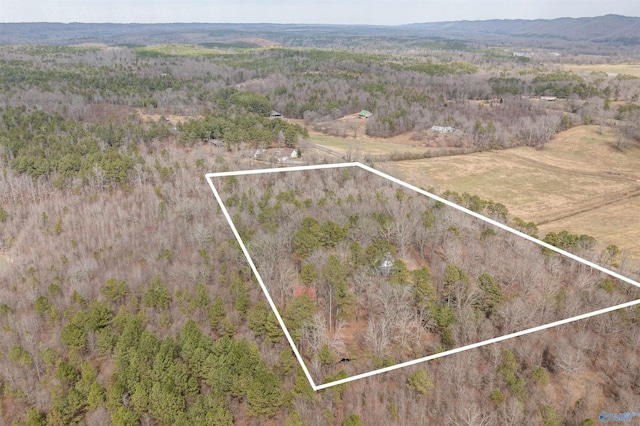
[587, 33]
[613, 29]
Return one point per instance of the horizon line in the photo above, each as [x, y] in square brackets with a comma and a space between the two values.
[312, 23]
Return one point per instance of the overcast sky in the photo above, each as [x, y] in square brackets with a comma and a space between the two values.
[382, 12]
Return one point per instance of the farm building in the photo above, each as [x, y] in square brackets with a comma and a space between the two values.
[275, 114]
[364, 114]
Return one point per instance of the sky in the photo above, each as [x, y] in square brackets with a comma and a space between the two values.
[375, 12]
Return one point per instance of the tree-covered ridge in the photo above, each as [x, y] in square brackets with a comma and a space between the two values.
[407, 91]
[601, 34]
[369, 272]
[91, 82]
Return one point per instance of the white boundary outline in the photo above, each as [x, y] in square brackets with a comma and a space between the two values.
[315, 387]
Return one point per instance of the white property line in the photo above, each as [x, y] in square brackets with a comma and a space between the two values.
[315, 387]
[480, 344]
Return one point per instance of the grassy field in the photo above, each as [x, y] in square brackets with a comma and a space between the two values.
[613, 224]
[171, 50]
[363, 145]
[628, 69]
[529, 190]
[580, 182]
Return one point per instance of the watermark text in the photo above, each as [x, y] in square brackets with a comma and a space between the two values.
[606, 417]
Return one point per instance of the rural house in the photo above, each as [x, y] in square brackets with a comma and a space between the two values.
[386, 263]
[253, 153]
[364, 114]
[285, 154]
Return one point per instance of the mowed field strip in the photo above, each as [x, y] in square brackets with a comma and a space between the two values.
[628, 69]
[579, 182]
[363, 145]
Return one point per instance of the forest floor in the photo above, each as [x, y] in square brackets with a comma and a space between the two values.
[4, 261]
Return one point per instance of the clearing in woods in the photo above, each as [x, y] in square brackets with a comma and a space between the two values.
[627, 69]
[353, 140]
[580, 182]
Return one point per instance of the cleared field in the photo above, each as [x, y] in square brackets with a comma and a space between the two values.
[529, 190]
[360, 144]
[364, 145]
[580, 182]
[629, 69]
[168, 50]
[584, 150]
[616, 223]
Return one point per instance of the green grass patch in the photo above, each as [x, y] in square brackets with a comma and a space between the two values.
[377, 147]
[629, 70]
[231, 44]
[451, 68]
[177, 50]
[442, 45]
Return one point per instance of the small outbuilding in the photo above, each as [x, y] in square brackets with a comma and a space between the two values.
[275, 114]
[441, 129]
[364, 114]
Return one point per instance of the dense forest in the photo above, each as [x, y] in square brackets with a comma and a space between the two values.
[125, 298]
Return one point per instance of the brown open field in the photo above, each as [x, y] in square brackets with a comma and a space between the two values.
[629, 69]
[365, 145]
[580, 182]
[616, 223]
[171, 118]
